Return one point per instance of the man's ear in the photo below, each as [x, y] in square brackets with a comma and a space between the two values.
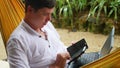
[30, 9]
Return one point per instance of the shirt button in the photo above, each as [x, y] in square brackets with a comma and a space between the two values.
[49, 46]
[39, 36]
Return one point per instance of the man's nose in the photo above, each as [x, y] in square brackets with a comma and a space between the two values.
[49, 18]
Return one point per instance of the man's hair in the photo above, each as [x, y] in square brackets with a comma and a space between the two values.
[38, 4]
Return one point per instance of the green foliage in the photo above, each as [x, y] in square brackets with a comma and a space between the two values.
[115, 7]
[108, 7]
[67, 12]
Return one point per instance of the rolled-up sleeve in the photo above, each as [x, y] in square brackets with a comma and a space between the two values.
[17, 56]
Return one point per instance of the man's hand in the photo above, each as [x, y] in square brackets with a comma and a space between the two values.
[60, 60]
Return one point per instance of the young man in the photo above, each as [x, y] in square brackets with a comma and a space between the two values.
[35, 42]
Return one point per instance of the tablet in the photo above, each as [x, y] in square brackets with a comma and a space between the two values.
[77, 49]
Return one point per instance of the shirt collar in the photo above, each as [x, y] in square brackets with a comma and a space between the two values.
[29, 29]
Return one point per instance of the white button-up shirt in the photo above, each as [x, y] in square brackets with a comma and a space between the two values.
[27, 49]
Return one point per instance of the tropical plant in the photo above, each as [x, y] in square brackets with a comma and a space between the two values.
[114, 7]
[67, 11]
[109, 7]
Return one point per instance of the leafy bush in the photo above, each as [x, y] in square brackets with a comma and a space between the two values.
[69, 12]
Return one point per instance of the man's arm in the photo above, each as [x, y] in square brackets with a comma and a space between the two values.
[17, 56]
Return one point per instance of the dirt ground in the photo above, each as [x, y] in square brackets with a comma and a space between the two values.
[94, 41]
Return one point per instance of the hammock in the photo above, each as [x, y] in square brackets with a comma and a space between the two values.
[11, 13]
[110, 61]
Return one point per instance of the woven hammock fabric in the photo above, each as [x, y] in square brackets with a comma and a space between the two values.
[11, 13]
[110, 61]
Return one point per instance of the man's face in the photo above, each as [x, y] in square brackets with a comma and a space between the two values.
[40, 17]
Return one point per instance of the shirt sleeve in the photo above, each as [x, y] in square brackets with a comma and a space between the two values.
[17, 56]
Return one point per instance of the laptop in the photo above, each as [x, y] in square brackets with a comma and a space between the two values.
[105, 50]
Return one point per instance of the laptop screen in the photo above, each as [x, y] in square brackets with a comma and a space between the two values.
[108, 44]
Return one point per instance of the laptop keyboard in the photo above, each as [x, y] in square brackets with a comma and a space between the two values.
[88, 57]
